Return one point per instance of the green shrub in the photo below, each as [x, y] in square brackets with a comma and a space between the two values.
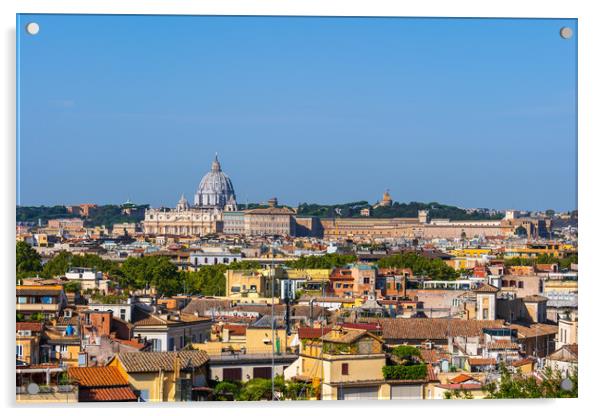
[405, 372]
[406, 352]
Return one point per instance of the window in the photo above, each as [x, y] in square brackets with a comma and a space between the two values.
[181, 341]
[345, 369]
[46, 300]
[122, 314]
[19, 350]
[22, 299]
[366, 280]
[156, 344]
[143, 395]
[232, 374]
[485, 313]
[171, 345]
[262, 372]
[521, 285]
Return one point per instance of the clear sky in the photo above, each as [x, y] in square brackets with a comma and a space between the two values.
[470, 112]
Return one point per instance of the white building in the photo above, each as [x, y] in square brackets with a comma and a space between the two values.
[213, 255]
[87, 278]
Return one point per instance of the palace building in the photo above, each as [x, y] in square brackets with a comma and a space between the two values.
[214, 196]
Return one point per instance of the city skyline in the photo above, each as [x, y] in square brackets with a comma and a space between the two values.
[472, 113]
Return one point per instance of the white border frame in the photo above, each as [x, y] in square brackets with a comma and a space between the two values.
[590, 68]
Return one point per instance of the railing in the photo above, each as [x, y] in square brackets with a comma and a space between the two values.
[44, 389]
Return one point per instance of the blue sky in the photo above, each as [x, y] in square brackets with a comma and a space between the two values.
[470, 112]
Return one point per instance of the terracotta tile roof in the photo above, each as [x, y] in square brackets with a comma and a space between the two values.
[433, 328]
[502, 345]
[486, 288]
[134, 343]
[203, 304]
[467, 386]
[30, 326]
[97, 376]
[312, 333]
[271, 211]
[482, 361]
[523, 361]
[533, 330]
[460, 378]
[372, 326]
[236, 329]
[431, 375]
[344, 335]
[143, 318]
[433, 355]
[147, 362]
[111, 394]
[567, 353]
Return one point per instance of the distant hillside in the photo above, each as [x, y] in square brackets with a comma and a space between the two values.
[397, 209]
[103, 215]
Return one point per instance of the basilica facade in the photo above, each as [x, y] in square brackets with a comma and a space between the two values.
[214, 196]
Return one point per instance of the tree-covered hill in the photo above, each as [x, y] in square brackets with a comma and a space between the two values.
[408, 210]
[102, 215]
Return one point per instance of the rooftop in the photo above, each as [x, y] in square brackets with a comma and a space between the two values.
[148, 362]
[97, 376]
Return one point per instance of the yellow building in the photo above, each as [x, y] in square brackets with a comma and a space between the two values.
[154, 375]
[347, 364]
[472, 252]
[252, 284]
[28, 341]
[60, 348]
[534, 250]
[560, 286]
[312, 275]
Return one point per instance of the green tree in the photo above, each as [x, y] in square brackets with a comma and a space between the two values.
[28, 260]
[151, 271]
[261, 389]
[226, 391]
[406, 353]
[327, 261]
[519, 386]
[436, 269]
[208, 281]
[72, 287]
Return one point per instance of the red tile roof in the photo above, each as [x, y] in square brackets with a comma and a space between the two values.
[236, 329]
[432, 328]
[460, 378]
[486, 288]
[366, 326]
[97, 376]
[524, 361]
[468, 386]
[29, 326]
[111, 394]
[482, 361]
[312, 333]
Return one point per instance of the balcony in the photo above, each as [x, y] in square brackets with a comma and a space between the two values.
[47, 394]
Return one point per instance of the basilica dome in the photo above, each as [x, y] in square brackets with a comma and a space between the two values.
[216, 189]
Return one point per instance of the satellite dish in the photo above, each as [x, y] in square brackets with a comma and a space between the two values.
[33, 388]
